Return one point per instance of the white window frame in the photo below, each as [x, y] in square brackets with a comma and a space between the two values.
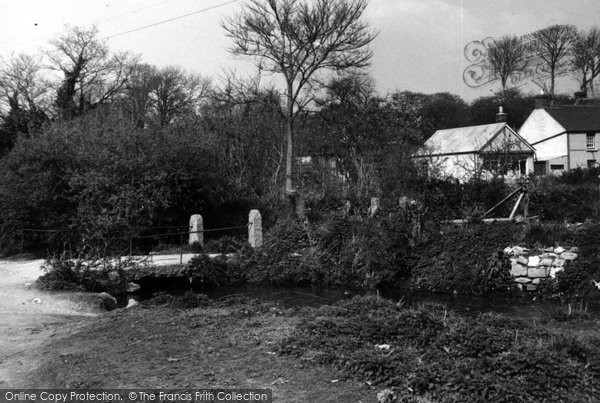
[590, 145]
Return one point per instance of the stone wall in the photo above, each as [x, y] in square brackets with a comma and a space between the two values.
[531, 268]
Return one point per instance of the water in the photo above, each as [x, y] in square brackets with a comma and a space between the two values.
[515, 305]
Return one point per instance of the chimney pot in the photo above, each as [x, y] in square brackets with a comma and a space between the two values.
[500, 116]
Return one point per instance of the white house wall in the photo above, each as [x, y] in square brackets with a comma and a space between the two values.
[579, 152]
[460, 166]
[539, 126]
[506, 141]
[552, 148]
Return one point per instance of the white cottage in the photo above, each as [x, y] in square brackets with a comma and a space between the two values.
[564, 136]
[482, 151]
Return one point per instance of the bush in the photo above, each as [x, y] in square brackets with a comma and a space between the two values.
[575, 287]
[350, 251]
[62, 274]
[551, 200]
[466, 259]
[218, 271]
[99, 180]
[224, 244]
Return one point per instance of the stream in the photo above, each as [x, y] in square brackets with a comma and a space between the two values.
[516, 305]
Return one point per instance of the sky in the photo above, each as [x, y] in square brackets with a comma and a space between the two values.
[419, 46]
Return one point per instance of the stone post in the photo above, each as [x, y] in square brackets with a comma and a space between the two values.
[374, 206]
[255, 229]
[196, 228]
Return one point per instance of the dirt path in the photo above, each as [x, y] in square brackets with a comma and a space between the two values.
[30, 319]
[57, 340]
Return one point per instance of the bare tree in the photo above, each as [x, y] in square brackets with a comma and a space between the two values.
[586, 59]
[92, 75]
[137, 92]
[297, 39]
[506, 57]
[24, 98]
[22, 83]
[552, 45]
[176, 92]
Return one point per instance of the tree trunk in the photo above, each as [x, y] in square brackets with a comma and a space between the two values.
[289, 158]
[294, 196]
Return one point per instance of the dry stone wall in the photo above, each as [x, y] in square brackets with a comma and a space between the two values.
[531, 268]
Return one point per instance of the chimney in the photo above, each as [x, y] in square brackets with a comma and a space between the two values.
[542, 101]
[500, 116]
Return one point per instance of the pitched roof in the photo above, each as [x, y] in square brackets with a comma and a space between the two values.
[462, 139]
[575, 118]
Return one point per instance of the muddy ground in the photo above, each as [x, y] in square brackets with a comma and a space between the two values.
[63, 340]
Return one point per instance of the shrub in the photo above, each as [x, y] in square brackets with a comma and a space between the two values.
[84, 275]
[100, 180]
[575, 286]
[367, 252]
[552, 200]
[205, 271]
[467, 259]
[224, 244]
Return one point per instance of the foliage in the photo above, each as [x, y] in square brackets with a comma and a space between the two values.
[287, 256]
[429, 353]
[447, 199]
[91, 74]
[516, 106]
[569, 198]
[99, 181]
[63, 274]
[538, 235]
[203, 270]
[367, 252]
[308, 38]
[576, 286]
[362, 131]
[466, 259]
[224, 244]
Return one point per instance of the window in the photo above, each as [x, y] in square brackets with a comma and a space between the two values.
[423, 167]
[592, 163]
[557, 167]
[539, 168]
[589, 142]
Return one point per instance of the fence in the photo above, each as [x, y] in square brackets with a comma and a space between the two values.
[114, 244]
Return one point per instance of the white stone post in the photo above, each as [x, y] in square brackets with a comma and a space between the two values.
[255, 229]
[196, 228]
[374, 206]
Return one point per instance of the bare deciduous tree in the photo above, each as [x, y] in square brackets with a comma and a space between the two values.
[176, 92]
[297, 39]
[586, 59]
[506, 56]
[553, 46]
[92, 75]
[137, 93]
[24, 98]
[22, 83]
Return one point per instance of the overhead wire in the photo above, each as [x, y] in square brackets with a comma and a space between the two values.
[171, 19]
[132, 12]
[142, 27]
